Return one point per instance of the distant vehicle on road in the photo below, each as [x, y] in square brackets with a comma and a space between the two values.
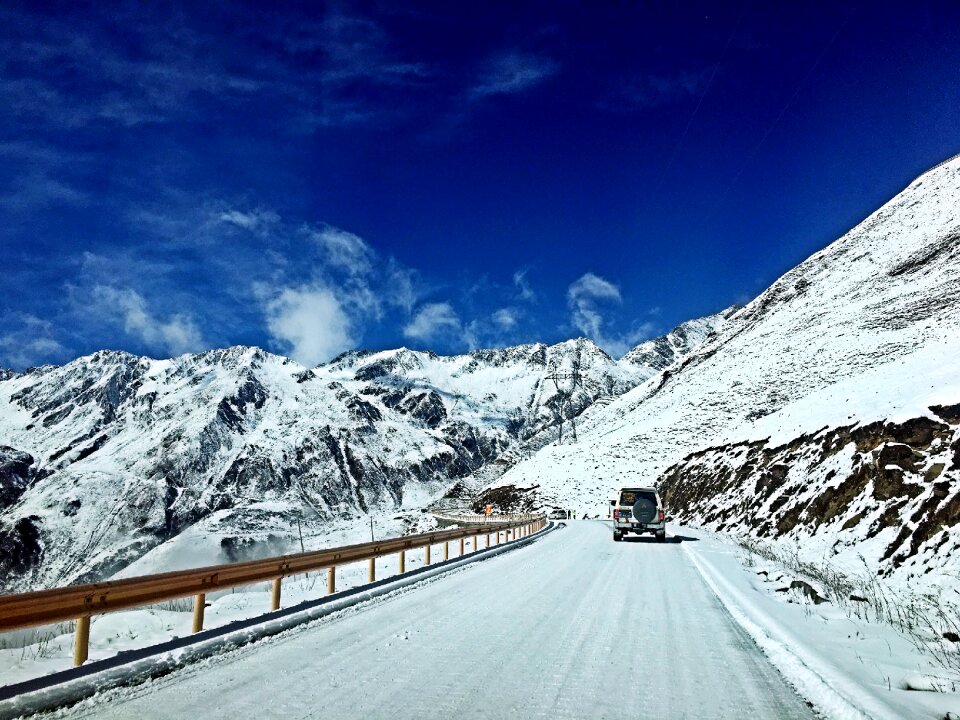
[558, 515]
[639, 511]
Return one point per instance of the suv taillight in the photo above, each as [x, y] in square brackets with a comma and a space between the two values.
[661, 514]
[616, 514]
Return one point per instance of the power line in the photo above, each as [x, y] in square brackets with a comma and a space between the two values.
[696, 110]
[756, 149]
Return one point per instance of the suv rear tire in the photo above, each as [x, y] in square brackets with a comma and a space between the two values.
[661, 537]
[617, 536]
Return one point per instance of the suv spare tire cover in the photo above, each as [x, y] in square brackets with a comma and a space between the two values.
[644, 510]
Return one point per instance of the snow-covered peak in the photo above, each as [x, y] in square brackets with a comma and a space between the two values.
[660, 353]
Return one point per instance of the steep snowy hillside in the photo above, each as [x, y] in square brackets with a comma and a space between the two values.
[865, 331]
[237, 452]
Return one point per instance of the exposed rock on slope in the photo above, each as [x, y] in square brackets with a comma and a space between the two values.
[892, 484]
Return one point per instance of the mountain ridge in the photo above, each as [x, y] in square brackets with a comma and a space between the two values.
[113, 457]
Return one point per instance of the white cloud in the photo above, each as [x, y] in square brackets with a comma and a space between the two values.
[29, 342]
[401, 285]
[432, 321]
[524, 291]
[505, 318]
[513, 72]
[40, 189]
[310, 323]
[177, 335]
[256, 221]
[584, 298]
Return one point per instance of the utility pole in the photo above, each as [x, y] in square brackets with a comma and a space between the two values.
[565, 397]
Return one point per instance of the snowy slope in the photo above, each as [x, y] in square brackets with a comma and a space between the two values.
[238, 452]
[866, 330]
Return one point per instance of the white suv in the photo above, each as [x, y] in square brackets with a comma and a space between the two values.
[638, 510]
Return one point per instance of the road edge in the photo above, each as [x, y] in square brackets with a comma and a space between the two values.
[795, 663]
[68, 687]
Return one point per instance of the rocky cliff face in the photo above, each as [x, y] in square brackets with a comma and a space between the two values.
[113, 457]
[891, 485]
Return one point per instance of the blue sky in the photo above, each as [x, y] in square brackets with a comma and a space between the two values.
[336, 176]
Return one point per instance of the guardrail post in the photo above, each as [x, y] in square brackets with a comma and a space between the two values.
[446, 549]
[403, 561]
[372, 570]
[199, 603]
[275, 597]
[81, 641]
[461, 547]
[426, 555]
[331, 579]
[488, 540]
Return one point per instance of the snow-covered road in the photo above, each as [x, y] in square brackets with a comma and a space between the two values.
[574, 626]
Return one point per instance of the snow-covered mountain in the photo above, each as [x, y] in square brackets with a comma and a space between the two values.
[662, 352]
[826, 401]
[225, 454]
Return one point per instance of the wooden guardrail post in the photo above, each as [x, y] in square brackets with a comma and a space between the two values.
[199, 603]
[461, 547]
[403, 561]
[446, 550]
[275, 596]
[331, 579]
[426, 555]
[372, 570]
[81, 641]
[488, 540]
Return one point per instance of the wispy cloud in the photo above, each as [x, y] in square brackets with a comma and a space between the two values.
[105, 83]
[345, 251]
[434, 321]
[28, 340]
[587, 297]
[258, 220]
[38, 189]
[69, 72]
[651, 90]
[175, 335]
[524, 290]
[513, 72]
[505, 318]
[359, 77]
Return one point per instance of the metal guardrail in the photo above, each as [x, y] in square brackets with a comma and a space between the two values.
[80, 602]
[483, 519]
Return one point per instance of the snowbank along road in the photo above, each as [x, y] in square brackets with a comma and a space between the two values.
[575, 626]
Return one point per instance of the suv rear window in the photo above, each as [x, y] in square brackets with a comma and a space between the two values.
[629, 497]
